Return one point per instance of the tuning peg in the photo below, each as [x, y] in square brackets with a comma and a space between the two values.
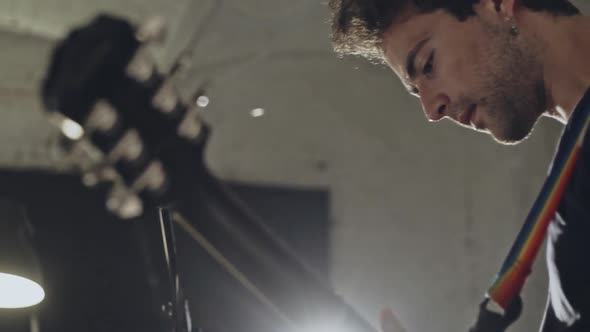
[124, 202]
[130, 147]
[90, 179]
[83, 155]
[142, 66]
[166, 98]
[152, 29]
[152, 179]
[191, 125]
[100, 173]
[103, 117]
[131, 207]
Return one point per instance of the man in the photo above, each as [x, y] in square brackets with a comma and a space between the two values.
[495, 66]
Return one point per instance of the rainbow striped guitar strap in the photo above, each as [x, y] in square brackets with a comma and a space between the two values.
[507, 284]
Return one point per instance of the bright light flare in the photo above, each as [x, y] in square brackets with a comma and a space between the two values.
[328, 326]
[71, 129]
[19, 292]
[202, 101]
[257, 112]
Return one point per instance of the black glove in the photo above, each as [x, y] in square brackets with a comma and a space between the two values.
[488, 321]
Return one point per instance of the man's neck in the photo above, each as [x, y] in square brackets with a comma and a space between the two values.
[565, 52]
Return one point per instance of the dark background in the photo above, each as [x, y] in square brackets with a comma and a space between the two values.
[99, 272]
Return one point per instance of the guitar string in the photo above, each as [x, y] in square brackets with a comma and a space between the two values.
[180, 220]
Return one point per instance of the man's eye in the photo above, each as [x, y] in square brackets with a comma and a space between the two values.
[429, 65]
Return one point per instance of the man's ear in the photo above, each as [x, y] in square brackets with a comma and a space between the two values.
[508, 7]
[505, 8]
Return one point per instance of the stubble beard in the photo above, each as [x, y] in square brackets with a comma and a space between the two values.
[515, 89]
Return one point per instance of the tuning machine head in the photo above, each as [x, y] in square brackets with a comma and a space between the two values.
[153, 29]
[166, 99]
[151, 32]
[122, 120]
[124, 202]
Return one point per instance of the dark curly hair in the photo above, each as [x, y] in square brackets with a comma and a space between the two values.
[357, 25]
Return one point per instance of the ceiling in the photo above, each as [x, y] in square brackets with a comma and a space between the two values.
[422, 213]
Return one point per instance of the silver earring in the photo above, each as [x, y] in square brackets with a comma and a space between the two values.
[513, 28]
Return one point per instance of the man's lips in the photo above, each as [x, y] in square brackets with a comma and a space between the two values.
[466, 117]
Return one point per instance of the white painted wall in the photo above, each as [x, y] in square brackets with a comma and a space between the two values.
[423, 213]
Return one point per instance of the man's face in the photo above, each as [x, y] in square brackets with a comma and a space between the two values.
[474, 72]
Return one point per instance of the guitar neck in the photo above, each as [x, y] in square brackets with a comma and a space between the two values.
[247, 250]
[108, 98]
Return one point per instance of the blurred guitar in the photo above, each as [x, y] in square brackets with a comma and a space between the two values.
[127, 129]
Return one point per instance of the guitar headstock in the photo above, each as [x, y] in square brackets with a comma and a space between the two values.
[119, 114]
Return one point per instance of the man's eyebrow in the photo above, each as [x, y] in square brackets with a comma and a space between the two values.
[410, 68]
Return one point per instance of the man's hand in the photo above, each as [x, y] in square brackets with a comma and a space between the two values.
[489, 321]
[389, 322]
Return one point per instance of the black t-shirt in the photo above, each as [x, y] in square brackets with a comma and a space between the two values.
[568, 251]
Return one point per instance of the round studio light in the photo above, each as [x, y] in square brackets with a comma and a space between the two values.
[19, 292]
[20, 274]
[257, 112]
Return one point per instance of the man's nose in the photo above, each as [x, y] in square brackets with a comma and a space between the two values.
[437, 107]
